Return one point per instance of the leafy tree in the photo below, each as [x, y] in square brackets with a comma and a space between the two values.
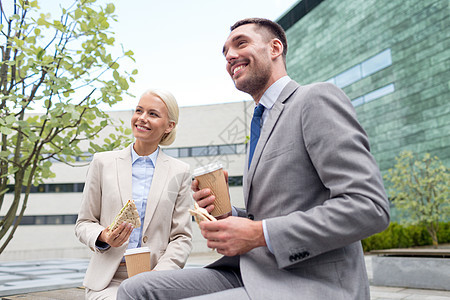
[420, 188]
[54, 74]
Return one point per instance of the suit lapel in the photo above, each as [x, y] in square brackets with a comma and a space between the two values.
[157, 187]
[267, 129]
[124, 175]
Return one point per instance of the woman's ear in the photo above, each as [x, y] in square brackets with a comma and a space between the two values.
[170, 127]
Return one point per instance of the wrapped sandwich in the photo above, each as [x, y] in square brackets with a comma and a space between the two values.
[201, 214]
[128, 214]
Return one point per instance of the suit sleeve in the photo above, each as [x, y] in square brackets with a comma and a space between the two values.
[87, 227]
[357, 205]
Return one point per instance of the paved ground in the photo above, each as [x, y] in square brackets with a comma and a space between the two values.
[62, 280]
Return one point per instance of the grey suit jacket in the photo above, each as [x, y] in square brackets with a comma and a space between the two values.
[167, 223]
[320, 191]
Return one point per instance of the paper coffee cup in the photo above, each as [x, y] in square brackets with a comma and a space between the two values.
[211, 176]
[137, 260]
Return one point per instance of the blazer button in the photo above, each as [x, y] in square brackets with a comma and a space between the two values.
[145, 239]
[251, 217]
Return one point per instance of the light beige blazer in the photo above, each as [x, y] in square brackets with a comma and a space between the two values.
[167, 223]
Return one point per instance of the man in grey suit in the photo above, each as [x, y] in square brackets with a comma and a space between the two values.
[311, 187]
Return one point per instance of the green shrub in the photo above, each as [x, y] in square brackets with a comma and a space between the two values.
[419, 189]
[401, 236]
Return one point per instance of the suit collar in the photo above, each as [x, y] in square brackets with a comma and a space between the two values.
[266, 131]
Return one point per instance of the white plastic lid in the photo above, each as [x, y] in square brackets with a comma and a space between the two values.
[207, 169]
[137, 250]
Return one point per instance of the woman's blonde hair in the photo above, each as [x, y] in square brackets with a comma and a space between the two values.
[173, 111]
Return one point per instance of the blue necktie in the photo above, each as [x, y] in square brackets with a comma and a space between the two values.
[255, 130]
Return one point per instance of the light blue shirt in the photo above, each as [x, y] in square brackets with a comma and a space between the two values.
[143, 168]
[268, 100]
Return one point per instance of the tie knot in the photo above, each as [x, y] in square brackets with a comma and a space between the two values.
[259, 109]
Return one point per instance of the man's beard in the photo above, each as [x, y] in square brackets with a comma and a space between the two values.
[255, 82]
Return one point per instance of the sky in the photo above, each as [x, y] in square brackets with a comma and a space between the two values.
[178, 44]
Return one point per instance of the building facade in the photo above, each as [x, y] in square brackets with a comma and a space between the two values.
[392, 58]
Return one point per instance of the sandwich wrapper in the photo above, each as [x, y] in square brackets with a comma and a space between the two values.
[201, 214]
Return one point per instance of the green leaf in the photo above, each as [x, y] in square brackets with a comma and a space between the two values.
[123, 83]
[5, 130]
[40, 54]
[116, 75]
[110, 8]
[5, 154]
[115, 66]
[10, 119]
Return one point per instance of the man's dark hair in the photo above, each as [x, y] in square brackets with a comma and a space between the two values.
[273, 28]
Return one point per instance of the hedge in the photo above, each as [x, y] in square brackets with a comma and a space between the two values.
[401, 236]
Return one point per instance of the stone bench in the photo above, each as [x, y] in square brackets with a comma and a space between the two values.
[413, 268]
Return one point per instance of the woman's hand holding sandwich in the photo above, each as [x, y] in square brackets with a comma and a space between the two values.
[118, 236]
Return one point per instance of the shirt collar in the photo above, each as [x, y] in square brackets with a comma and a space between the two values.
[273, 92]
[135, 156]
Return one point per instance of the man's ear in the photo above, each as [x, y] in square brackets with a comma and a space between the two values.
[276, 48]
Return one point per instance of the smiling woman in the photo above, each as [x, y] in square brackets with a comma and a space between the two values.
[138, 172]
[154, 121]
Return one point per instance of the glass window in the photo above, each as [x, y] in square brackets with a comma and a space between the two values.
[331, 80]
[10, 188]
[235, 181]
[364, 69]
[376, 63]
[240, 148]
[54, 220]
[78, 187]
[171, 152]
[61, 188]
[27, 220]
[388, 89]
[199, 151]
[213, 150]
[39, 220]
[183, 152]
[348, 77]
[69, 219]
[358, 101]
[227, 149]
[34, 189]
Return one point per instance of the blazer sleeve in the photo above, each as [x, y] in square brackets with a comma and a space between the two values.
[180, 239]
[357, 206]
[87, 227]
